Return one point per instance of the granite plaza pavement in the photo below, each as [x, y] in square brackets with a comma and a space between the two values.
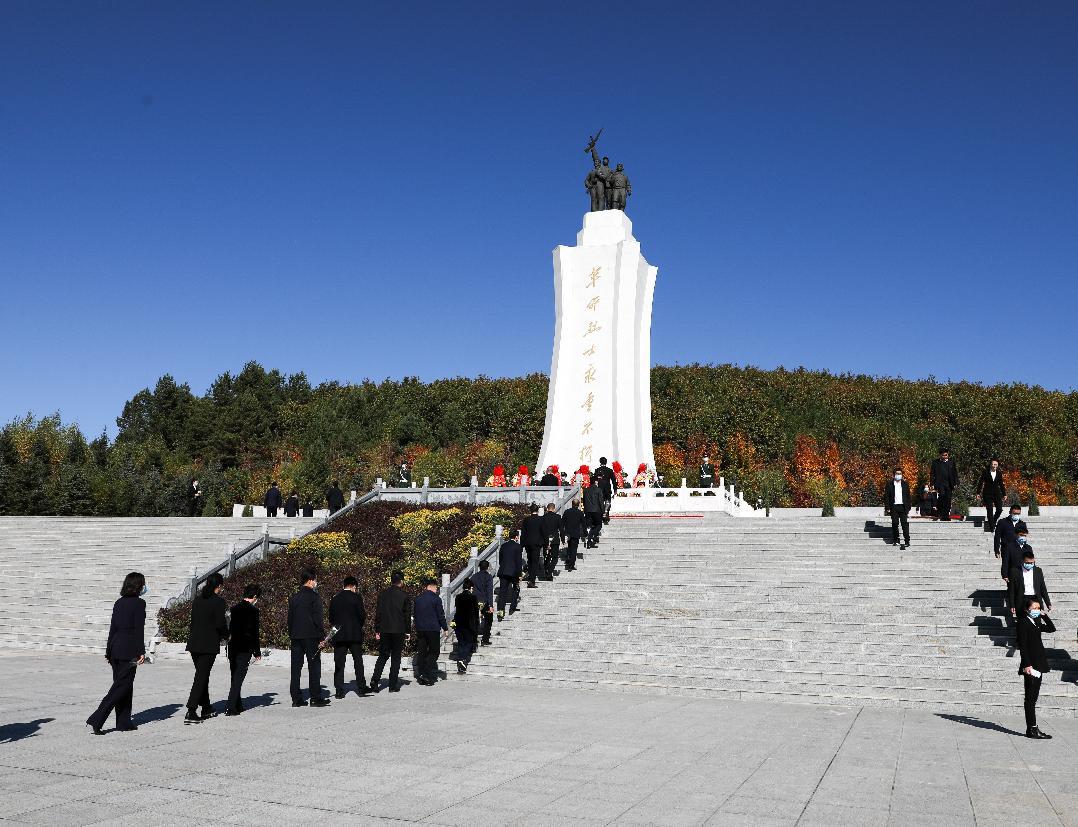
[472, 751]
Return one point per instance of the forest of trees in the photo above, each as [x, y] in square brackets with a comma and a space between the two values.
[790, 437]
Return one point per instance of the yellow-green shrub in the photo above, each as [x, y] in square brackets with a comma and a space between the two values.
[325, 546]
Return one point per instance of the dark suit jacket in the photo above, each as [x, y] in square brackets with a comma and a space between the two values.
[593, 500]
[605, 478]
[291, 507]
[944, 475]
[1005, 544]
[1029, 642]
[429, 612]
[306, 615]
[533, 531]
[992, 490]
[707, 475]
[572, 522]
[552, 525]
[466, 612]
[889, 496]
[127, 631]
[335, 499]
[1017, 587]
[510, 561]
[347, 614]
[549, 479]
[273, 498]
[208, 625]
[394, 613]
[244, 635]
[484, 587]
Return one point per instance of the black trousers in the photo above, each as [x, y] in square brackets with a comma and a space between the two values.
[200, 686]
[570, 553]
[119, 696]
[465, 647]
[390, 646]
[508, 592]
[553, 550]
[1033, 691]
[340, 659]
[943, 504]
[594, 520]
[306, 649]
[900, 514]
[271, 512]
[535, 562]
[238, 663]
[427, 648]
[486, 620]
[992, 508]
[606, 509]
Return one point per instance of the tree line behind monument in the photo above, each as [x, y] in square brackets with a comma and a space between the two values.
[789, 437]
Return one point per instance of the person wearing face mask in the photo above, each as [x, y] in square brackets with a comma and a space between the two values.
[209, 626]
[897, 499]
[244, 643]
[991, 489]
[125, 651]
[1034, 662]
[1028, 581]
[1005, 540]
[945, 481]
[307, 630]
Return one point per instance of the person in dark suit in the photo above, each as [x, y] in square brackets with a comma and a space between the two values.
[346, 612]
[194, 500]
[308, 508]
[307, 631]
[335, 497]
[484, 593]
[945, 481]
[510, 567]
[593, 514]
[1027, 581]
[291, 505]
[992, 489]
[604, 476]
[429, 616]
[1034, 662]
[272, 500]
[1005, 541]
[392, 620]
[550, 478]
[466, 626]
[125, 651]
[574, 527]
[552, 527]
[209, 626]
[533, 537]
[896, 497]
[244, 642]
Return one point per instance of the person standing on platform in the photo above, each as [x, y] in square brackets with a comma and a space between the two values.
[346, 613]
[945, 481]
[194, 500]
[291, 505]
[272, 500]
[125, 651]
[429, 625]
[466, 626]
[1005, 541]
[574, 527]
[510, 567]
[593, 513]
[244, 642]
[392, 620]
[209, 626]
[897, 498]
[484, 593]
[607, 486]
[308, 507]
[533, 536]
[335, 497]
[707, 474]
[307, 630]
[549, 478]
[553, 529]
[991, 489]
[1034, 662]
[1028, 581]
[404, 476]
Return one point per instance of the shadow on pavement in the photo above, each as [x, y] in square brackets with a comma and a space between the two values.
[976, 722]
[10, 733]
[156, 713]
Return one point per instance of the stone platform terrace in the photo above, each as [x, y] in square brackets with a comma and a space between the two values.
[473, 752]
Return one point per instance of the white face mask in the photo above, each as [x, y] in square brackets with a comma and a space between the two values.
[898, 477]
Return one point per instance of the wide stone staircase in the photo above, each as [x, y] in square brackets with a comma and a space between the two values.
[813, 610]
[59, 576]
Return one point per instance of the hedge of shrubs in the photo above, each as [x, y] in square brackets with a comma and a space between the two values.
[368, 544]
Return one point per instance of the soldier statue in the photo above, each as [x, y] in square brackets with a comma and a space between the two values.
[620, 189]
[608, 188]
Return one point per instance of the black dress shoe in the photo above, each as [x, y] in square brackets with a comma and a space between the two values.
[1033, 732]
[95, 729]
[375, 688]
[208, 712]
[364, 690]
[299, 703]
[231, 713]
[394, 689]
[339, 696]
[191, 717]
[319, 702]
[128, 728]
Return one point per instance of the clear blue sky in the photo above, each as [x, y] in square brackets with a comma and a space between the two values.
[357, 190]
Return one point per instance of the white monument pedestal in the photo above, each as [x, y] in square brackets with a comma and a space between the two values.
[599, 402]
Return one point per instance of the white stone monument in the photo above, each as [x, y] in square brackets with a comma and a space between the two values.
[599, 402]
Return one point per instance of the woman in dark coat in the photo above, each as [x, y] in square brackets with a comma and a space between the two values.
[1034, 662]
[125, 651]
[209, 627]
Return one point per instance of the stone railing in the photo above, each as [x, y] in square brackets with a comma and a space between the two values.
[723, 497]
